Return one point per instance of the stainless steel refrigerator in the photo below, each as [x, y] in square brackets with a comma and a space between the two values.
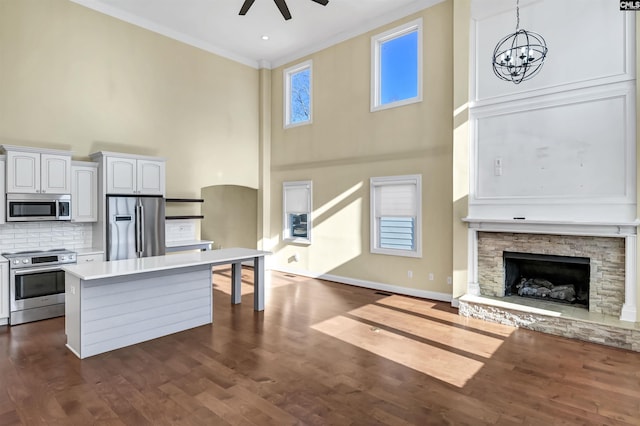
[135, 227]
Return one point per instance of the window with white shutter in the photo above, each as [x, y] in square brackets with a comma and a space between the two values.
[296, 201]
[396, 215]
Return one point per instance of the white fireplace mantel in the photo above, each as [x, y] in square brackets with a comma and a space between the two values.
[626, 230]
[593, 229]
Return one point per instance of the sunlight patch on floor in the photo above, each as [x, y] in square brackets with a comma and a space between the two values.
[438, 363]
[425, 307]
[222, 280]
[445, 334]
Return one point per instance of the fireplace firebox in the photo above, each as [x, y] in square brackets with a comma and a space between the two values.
[562, 279]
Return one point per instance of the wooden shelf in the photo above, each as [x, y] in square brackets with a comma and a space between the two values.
[184, 217]
[184, 200]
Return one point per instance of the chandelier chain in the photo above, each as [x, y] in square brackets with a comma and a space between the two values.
[517, 15]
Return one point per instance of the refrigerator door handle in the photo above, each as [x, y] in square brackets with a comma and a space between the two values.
[138, 232]
[142, 229]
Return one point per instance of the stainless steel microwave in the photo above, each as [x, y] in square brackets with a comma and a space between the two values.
[38, 207]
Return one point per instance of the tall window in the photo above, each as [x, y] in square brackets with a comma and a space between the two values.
[396, 215]
[296, 202]
[396, 68]
[297, 94]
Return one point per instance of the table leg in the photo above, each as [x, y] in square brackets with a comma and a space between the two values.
[258, 283]
[236, 283]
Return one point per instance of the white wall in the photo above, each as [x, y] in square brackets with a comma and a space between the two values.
[566, 138]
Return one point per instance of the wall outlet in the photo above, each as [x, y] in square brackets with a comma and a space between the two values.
[430, 276]
[449, 280]
[410, 273]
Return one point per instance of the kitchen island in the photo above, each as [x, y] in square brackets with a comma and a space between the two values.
[119, 303]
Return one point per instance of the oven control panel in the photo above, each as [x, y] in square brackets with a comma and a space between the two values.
[40, 258]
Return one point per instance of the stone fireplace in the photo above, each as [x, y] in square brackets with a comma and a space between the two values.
[606, 263]
[597, 260]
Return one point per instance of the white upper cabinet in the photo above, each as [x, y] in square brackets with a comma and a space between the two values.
[84, 192]
[30, 171]
[132, 175]
[23, 172]
[3, 196]
[121, 175]
[151, 177]
[55, 176]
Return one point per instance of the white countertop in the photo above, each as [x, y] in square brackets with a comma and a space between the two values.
[90, 250]
[175, 246]
[188, 243]
[115, 268]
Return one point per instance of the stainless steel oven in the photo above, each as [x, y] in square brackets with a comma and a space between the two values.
[38, 207]
[36, 281]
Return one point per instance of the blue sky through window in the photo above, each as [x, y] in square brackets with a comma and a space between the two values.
[399, 68]
[300, 96]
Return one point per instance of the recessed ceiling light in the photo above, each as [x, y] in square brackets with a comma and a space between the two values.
[265, 37]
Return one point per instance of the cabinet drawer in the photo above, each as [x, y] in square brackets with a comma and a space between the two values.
[84, 258]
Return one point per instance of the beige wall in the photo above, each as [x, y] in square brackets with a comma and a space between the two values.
[461, 49]
[73, 78]
[347, 144]
[230, 218]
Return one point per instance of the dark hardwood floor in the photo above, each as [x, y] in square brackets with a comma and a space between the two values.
[321, 354]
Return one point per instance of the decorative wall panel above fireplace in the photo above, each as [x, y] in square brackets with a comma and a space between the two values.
[562, 158]
[562, 146]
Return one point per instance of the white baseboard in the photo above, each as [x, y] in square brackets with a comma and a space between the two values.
[423, 294]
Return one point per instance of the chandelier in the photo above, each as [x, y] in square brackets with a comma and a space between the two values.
[520, 55]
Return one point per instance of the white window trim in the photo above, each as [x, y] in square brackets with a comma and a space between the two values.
[376, 42]
[396, 180]
[308, 185]
[287, 73]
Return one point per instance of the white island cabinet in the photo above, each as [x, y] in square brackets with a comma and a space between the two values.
[110, 305]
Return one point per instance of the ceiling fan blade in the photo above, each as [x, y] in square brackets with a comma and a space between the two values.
[282, 5]
[245, 6]
[322, 2]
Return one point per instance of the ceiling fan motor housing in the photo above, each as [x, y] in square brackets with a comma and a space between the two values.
[282, 6]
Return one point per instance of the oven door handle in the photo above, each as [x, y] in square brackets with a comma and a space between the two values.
[27, 271]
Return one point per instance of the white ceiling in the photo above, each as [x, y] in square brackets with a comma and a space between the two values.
[215, 26]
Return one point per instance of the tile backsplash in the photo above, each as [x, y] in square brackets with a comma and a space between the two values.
[44, 235]
[180, 230]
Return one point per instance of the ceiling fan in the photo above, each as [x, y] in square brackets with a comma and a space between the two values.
[282, 5]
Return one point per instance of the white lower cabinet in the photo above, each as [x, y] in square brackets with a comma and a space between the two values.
[88, 258]
[4, 293]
